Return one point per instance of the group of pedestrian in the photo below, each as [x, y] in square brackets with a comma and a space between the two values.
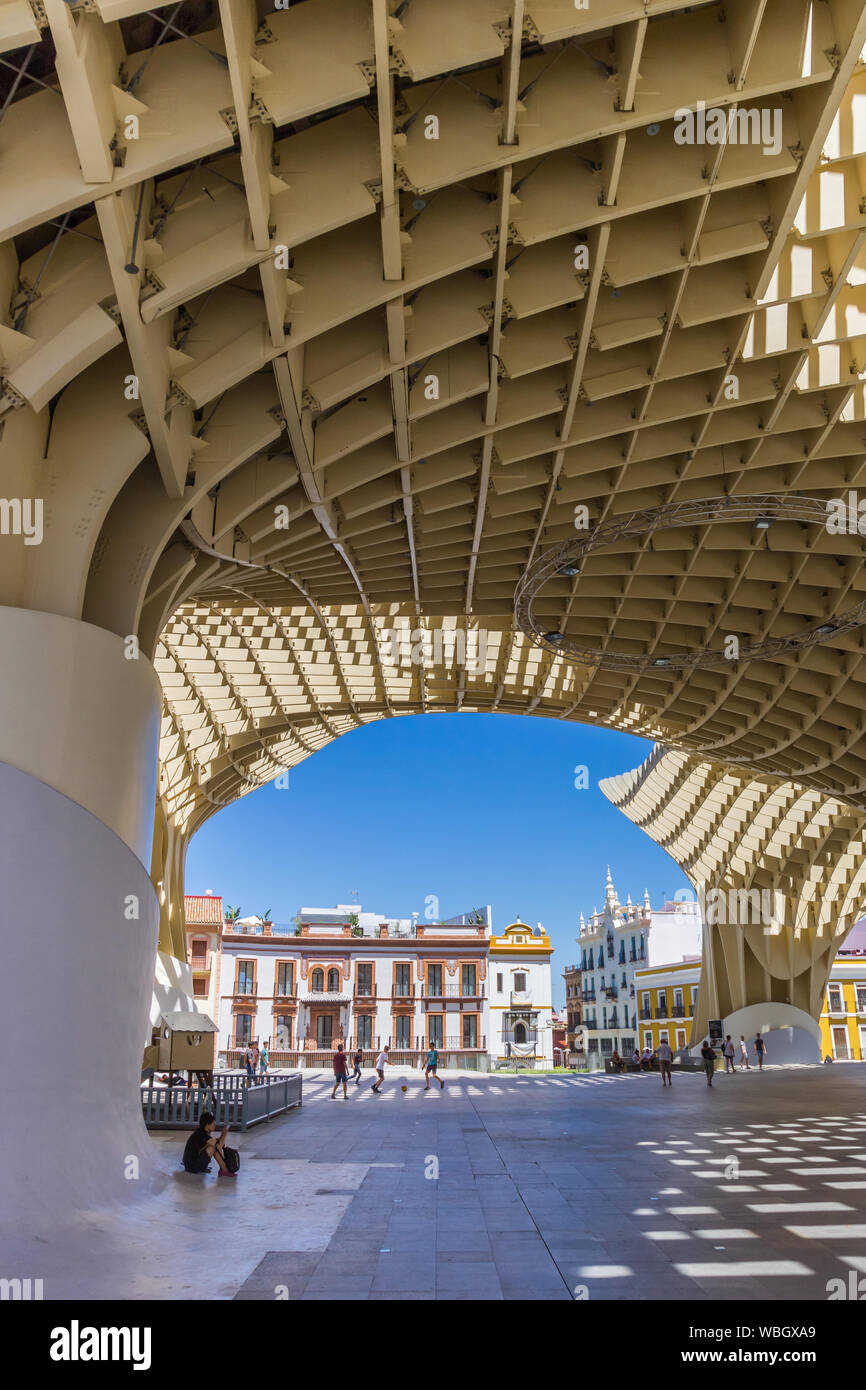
[256, 1062]
[342, 1077]
[729, 1052]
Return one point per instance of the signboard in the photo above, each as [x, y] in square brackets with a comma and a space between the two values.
[716, 1031]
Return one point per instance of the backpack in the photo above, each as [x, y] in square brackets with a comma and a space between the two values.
[231, 1158]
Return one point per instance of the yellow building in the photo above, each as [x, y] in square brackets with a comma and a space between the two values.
[521, 1003]
[665, 998]
[665, 1002]
[843, 1017]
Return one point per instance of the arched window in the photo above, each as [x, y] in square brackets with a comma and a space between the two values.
[317, 983]
[333, 981]
[520, 1032]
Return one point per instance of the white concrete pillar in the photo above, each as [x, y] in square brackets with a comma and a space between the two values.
[79, 729]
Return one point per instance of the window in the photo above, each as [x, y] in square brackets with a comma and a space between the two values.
[199, 988]
[283, 1031]
[324, 1030]
[645, 1001]
[593, 1044]
[694, 996]
[678, 1003]
[499, 982]
[520, 982]
[519, 1032]
[285, 977]
[246, 977]
[198, 953]
[627, 1047]
[243, 1029]
[606, 1047]
[317, 981]
[365, 979]
[470, 1030]
[840, 1044]
[402, 979]
[364, 1030]
[861, 999]
[663, 1035]
[467, 980]
[834, 994]
[434, 979]
[333, 981]
[681, 1038]
[434, 1022]
[647, 1039]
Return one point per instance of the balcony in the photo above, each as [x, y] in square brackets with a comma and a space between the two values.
[610, 992]
[371, 993]
[645, 1014]
[454, 992]
[613, 1021]
[402, 996]
[245, 990]
[588, 996]
[662, 1012]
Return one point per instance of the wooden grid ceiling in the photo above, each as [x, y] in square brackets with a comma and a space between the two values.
[421, 279]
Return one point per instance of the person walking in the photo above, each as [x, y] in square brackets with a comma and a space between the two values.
[248, 1063]
[356, 1063]
[760, 1051]
[255, 1061]
[431, 1068]
[709, 1060]
[744, 1054]
[264, 1061]
[728, 1051]
[341, 1072]
[665, 1056]
[381, 1062]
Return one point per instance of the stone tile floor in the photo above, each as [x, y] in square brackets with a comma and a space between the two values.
[506, 1187]
[612, 1188]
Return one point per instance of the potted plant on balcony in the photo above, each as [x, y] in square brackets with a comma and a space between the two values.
[297, 921]
[232, 914]
[355, 925]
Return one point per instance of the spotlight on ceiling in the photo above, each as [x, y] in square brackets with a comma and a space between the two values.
[662, 661]
[763, 523]
[554, 636]
[568, 571]
[826, 628]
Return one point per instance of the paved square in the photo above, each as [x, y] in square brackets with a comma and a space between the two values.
[609, 1188]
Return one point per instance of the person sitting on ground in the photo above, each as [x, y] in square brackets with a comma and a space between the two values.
[616, 1061]
[646, 1058]
[203, 1145]
[635, 1058]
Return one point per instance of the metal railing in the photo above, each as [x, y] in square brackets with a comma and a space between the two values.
[454, 992]
[232, 1100]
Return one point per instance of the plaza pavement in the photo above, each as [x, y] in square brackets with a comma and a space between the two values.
[556, 1187]
[548, 1187]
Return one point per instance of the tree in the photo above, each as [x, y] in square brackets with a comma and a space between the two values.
[355, 924]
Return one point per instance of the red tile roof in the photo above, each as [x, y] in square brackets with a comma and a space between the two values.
[202, 910]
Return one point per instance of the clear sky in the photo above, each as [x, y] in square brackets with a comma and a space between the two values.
[467, 808]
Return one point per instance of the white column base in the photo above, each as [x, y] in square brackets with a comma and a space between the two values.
[79, 726]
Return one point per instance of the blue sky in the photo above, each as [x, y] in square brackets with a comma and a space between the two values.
[471, 808]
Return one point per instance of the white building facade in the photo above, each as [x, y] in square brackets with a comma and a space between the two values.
[344, 975]
[615, 943]
[521, 1002]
